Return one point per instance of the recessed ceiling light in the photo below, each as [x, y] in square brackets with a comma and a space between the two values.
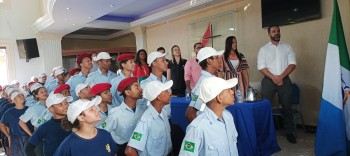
[68, 8]
[232, 29]
[73, 24]
[112, 5]
[89, 17]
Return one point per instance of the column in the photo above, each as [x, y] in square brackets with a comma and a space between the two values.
[50, 50]
[140, 36]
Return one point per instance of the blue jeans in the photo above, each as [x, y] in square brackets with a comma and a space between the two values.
[17, 145]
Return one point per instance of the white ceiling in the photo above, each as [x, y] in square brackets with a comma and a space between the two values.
[67, 16]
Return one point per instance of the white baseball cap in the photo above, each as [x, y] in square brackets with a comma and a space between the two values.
[102, 55]
[8, 91]
[35, 86]
[213, 86]
[207, 52]
[154, 88]
[54, 99]
[42, 75]
[59, 71]
[14, 82]
[79, 106]
[80, 87]
[153, 56]
[15, 93]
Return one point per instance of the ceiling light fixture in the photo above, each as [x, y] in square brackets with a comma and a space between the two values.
[73, 24]
[89, 17]
[68, 8]
[112, 5]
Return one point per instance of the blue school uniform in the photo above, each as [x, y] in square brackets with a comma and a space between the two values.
[6, 107]
[152, 134]
[51, 133]
[73, 82]
[101, 145]
[33, 114]
[152, 77]
[18, 137]
[97, 77]
[210, 135]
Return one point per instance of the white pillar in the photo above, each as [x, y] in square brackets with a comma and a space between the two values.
[140, 36]
[50, 50]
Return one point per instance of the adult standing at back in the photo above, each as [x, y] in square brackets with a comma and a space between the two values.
[193, 69]
[235, 65]
[141, 67]
[85, 64]
[276, 60]
[177, 65]
[103, 74]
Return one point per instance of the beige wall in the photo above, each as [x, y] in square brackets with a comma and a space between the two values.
[75, 44]
[309, 40]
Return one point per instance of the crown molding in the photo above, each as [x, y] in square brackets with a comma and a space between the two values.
[46, 20]
[168, 12]
[94, 37]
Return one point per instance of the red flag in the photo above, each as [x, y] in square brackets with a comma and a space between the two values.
[206, 36]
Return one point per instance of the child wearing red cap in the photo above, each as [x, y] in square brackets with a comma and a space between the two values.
[123, 119]
[127, 65]
[85, 64]
[102, 90]
[63, 89]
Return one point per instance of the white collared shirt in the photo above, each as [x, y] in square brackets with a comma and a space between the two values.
[276, 58]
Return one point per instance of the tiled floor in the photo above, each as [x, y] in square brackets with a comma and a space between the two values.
[304, 146]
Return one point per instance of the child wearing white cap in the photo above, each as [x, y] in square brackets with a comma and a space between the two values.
[211, 61]
[158, 65]
[59, 79]
[83, 90]
[9, 124]
[103, 74]
[51, 132]
[34, 112]
[152, 133]
[83, 115]
[213, 132]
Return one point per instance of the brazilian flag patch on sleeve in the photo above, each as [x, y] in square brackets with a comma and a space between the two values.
[136, 136]
[103, 124]
[189, 146]
[194, 97]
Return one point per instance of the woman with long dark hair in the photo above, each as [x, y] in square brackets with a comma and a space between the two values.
[141, 66]
[235, 65]
[177, 70]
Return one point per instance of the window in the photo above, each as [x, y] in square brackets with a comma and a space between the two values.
[3, 66]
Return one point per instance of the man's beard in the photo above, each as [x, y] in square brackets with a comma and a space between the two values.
[276, 37]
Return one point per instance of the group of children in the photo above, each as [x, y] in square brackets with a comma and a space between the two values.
[103, 113]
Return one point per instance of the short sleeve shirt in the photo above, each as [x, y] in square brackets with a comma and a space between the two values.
[33, 114]
[196, 102]
[122, 121]
[97, 77]
[209, 135]
[152, 134]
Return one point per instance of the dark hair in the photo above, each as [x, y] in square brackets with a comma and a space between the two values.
[269, 28]
[194, 46]
[204, 63]
[36, 92]
[228, 48]
[138, 59]
[172, 54]
[127, 88]
[122, 62]
[160, 48]
[68, 126]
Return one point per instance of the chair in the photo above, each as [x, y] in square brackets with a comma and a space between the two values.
[296, 107]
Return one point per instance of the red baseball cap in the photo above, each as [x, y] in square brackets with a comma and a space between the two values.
[74, 70]
[60, 88]
[125, 83]
[98, 88]
[123, 57]
[80, 57]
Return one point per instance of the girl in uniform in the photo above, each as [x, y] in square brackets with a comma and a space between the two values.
[83, 115]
